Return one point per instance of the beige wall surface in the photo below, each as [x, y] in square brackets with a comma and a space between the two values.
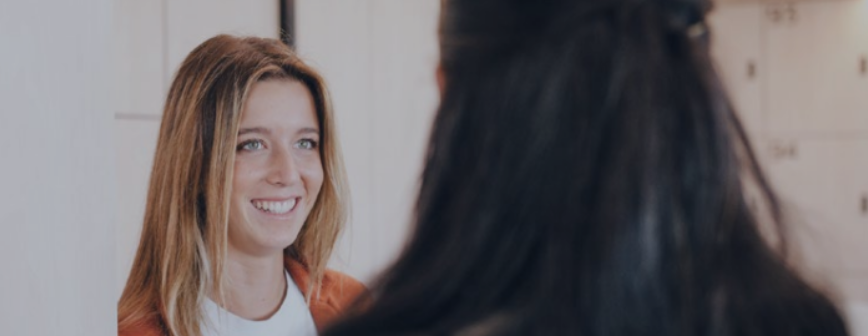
[57, 177]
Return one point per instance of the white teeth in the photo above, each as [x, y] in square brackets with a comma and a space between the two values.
[275, 207]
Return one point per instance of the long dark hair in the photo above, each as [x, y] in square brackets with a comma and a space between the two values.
[586, 175]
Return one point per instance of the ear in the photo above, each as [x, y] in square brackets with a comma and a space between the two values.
[441, 78]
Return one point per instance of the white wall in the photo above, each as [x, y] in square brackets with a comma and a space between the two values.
[151, 38]
[379, 63]
[57, 195]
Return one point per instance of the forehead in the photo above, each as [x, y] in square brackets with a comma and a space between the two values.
[279, 104]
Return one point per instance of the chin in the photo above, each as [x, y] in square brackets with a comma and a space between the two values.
[282, 241]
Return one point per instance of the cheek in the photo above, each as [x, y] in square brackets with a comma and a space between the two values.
[243, 177]
[313, 177]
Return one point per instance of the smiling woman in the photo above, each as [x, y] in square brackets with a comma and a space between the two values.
[278, 172]
[246, 199]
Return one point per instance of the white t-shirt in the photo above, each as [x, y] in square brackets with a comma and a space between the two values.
[292, 318]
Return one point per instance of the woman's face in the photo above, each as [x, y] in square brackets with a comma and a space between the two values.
[278, 172]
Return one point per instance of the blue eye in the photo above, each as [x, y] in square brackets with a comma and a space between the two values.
[306, 144]
[251, 145]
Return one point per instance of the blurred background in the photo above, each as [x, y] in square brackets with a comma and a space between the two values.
[84, 83]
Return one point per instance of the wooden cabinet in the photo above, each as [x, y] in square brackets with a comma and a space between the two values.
[737, 46]
[797, 68]
[796, 75]
[815, 82]
[823, 186]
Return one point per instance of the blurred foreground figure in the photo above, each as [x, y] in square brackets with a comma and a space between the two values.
[587, 175]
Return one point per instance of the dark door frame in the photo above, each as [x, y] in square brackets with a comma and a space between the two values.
[287, 22]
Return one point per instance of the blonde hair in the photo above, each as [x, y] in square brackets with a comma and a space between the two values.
[180, 258]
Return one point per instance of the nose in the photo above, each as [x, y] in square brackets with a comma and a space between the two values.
[283, 170]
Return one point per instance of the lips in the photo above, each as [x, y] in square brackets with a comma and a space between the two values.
[276, 207]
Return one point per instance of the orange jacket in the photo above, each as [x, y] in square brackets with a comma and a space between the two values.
[338, 292]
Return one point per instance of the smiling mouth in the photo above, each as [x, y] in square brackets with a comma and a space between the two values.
[276, 207]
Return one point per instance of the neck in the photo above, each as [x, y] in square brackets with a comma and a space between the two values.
[255, 287]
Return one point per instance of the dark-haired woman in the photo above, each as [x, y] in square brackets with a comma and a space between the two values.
[586, 175]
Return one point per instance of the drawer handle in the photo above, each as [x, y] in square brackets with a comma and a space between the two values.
[865, 204]
[751, 69]
[863, 65]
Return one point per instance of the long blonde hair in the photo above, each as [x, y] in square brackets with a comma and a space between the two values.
[180, 259]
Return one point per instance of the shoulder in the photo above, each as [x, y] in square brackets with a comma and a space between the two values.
[337, 294]
[337, 289]
[810, 313]
[788, 306]
[342, 290]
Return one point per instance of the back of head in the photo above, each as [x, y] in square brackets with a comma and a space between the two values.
[586, 175]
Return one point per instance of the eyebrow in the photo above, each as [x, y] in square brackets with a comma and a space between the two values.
[261, 130]
[266, 131]
[308, 130]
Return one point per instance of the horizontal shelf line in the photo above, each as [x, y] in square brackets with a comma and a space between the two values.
[136, 116]
[852, 135]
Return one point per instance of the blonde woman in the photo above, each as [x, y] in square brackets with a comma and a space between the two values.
[247, 197]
